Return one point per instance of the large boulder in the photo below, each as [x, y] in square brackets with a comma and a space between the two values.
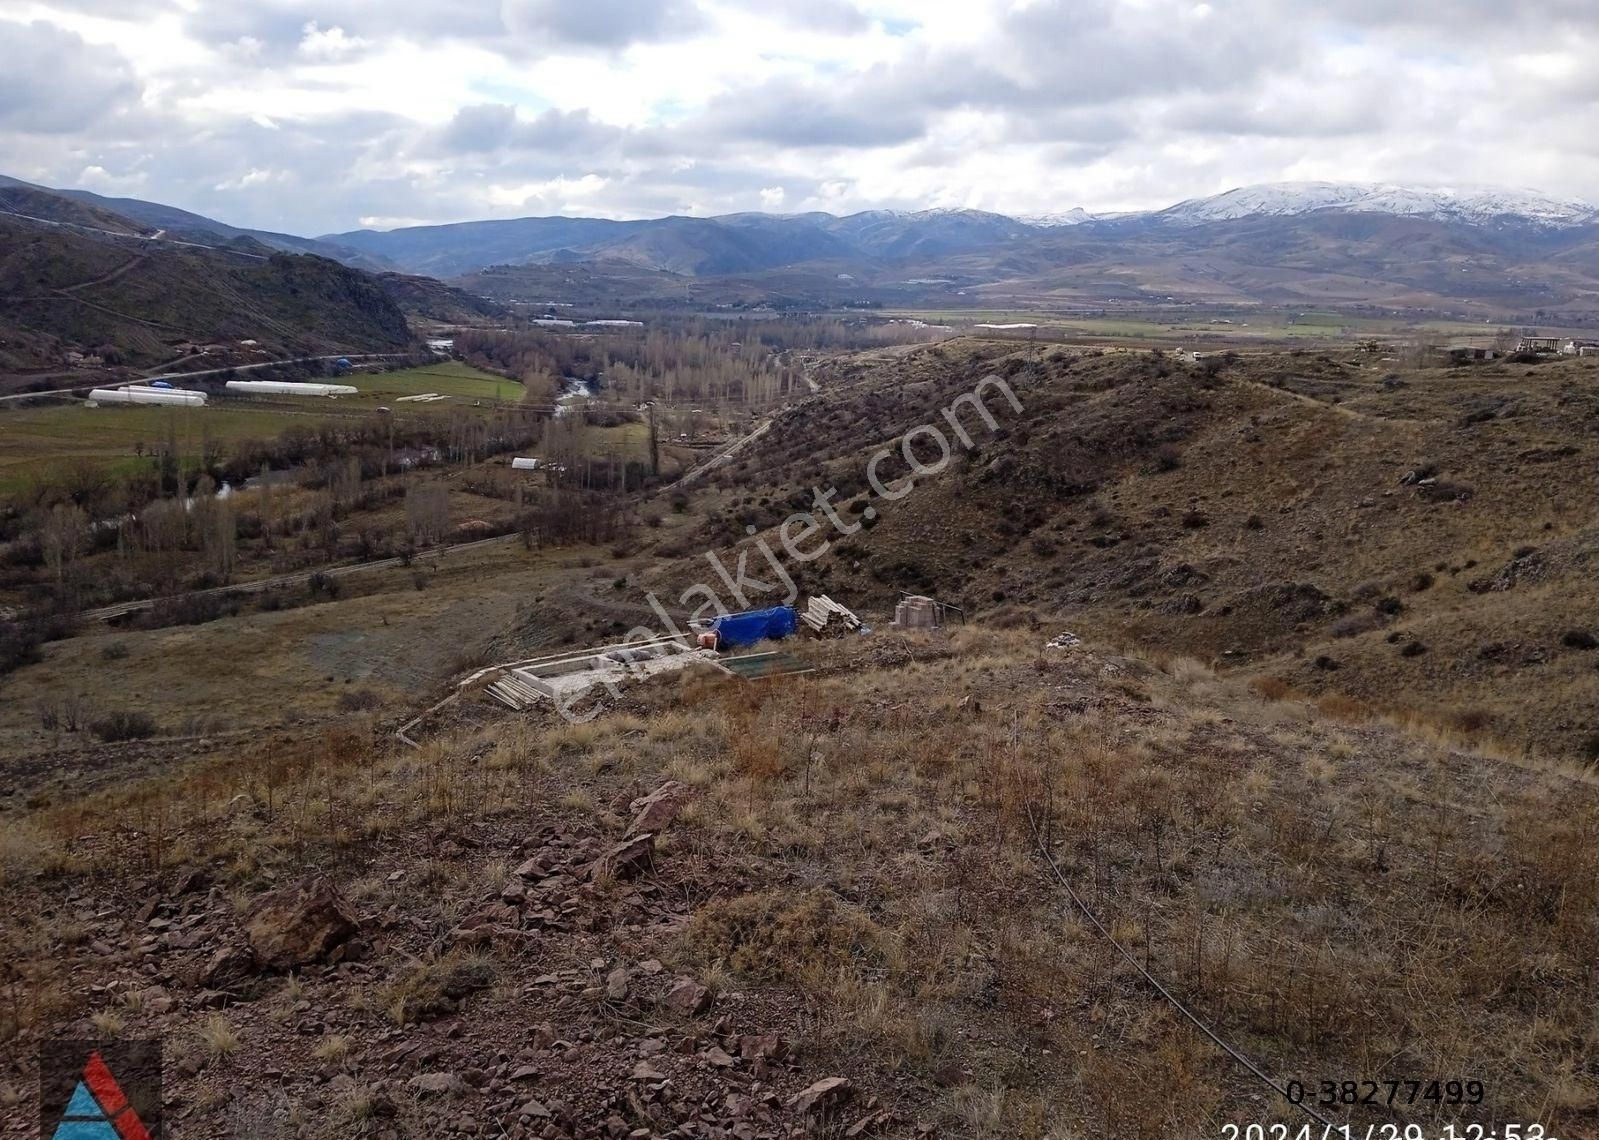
[300, 924]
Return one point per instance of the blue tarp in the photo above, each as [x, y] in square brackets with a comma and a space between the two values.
[747, 628]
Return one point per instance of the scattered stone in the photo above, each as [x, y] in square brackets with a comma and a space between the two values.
[656, 811]
[534, 1109]
[627, 859]
[300, 924]
[687, 997]
[825, 1095]
[616, 984]
[718, 1056]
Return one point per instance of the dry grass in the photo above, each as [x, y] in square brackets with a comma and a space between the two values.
[218, 1038]
[1278, 873]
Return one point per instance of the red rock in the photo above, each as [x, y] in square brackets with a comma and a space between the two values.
[688, 998]
[825, 1094]
[300, 924]
[656, 811]
[627, 859]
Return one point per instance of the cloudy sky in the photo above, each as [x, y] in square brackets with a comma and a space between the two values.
[315, 116]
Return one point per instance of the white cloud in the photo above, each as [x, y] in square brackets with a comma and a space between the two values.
[331, 44]
[442, 110]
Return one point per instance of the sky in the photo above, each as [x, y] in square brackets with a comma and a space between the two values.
[330, 115]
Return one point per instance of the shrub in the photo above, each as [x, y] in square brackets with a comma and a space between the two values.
[1270, 688]
[357, 700]
[1579, 639]
[783, 937]
[190, 609]
[1413, 649]
[439, 986]
[124, 725]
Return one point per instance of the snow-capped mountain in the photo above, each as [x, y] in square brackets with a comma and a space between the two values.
[1073, 217]
[1474, 205]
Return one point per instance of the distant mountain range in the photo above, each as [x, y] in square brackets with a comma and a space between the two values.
[1474, 252]
[754, 242]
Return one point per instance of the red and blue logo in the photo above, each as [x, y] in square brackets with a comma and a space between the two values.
[98, 1108]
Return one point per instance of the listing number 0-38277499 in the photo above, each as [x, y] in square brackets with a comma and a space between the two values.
[1438, 1091]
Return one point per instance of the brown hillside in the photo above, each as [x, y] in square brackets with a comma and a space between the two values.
[1421, 543]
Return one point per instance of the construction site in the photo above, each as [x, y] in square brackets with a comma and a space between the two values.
[754, 645]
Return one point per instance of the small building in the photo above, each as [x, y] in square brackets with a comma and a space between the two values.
[1538, 344]
[1576, 347]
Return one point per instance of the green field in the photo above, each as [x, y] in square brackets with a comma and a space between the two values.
[34, 441]
[447, 378]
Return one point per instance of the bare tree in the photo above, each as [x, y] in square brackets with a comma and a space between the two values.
[427, 512]
[62, 535]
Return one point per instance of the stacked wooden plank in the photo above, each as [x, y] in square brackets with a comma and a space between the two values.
[823, 614]
[515, 693]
